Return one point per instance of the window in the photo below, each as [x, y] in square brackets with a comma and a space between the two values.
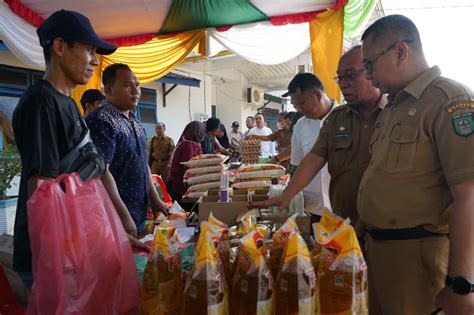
[214, 111]
[146, 111]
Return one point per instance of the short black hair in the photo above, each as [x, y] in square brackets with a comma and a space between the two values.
[396, 27]
[290, 115]
[47, 50]
[108, 76]
[212, 124]
[251, 117]
[282, 114]
[161, 123]
[259, 114]
[304, 82]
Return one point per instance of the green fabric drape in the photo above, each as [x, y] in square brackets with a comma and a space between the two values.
[193, 14]
[356, 15]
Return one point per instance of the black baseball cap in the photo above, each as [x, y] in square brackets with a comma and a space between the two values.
[92, 95]
[70, 25]
[235, 124]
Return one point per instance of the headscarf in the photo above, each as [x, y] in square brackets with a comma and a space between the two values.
[224, 140]
[194, 131]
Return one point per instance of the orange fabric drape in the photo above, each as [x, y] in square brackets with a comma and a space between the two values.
[156, 58]
[326, 32]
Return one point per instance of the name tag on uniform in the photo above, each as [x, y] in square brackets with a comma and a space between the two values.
[341, 135]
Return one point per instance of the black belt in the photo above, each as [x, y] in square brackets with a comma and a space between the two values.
[403, 234]
[161, 160]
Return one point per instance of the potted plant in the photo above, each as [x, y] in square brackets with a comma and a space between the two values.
[10, 167]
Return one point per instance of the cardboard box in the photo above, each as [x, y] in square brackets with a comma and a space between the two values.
[6, 260]
[231, 211]
[227, 212]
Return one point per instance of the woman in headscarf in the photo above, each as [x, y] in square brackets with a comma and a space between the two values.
[222, 137]
[189, 146]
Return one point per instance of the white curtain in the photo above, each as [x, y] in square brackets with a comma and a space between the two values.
[285, 7]
[20, 37]
[262, 42]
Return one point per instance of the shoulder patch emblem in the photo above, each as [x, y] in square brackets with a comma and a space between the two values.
[463, 124]
[459, 105]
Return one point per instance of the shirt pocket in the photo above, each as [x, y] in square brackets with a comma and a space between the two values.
[339, 152]
[401, 148]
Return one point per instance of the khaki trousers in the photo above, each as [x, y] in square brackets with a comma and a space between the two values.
[407, 275]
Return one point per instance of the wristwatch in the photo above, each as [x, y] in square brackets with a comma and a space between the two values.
[459, 285]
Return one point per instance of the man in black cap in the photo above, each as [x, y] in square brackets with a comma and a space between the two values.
[47, 123]
[91, 100]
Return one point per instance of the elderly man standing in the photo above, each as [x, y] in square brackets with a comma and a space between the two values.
[160, 149]
[417, 194]
[343, 142]
[122, 139]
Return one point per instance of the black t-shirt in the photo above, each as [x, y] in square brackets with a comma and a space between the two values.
[47, 125]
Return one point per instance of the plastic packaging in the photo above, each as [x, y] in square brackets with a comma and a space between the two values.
[82, 259]
[341, 268]
[206, 289]
[252, 289]
[162, 286]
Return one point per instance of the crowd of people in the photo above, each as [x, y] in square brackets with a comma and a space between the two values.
[397, 155]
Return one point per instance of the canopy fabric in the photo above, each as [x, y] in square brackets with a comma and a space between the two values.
[209, 13]
[264, 43]
[356, 15]
[157, 57]
[20, 37]
[326, 48]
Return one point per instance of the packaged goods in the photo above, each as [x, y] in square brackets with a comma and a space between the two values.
[223, 247]
[206, 159]
[295, 289]
[190, 172]
[260, 171]
[252, 289]
[162, 288]
[203, 178]
[341, 269]
[195, 194]
[252, 183]
[249, 151]
[177, 215]
[280, 239]
[206, 290]
[205, 186]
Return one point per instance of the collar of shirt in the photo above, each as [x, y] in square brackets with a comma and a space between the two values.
[417, 86]
[110, 108]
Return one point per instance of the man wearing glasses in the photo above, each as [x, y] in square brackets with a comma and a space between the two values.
[343, 142]
[417, 195]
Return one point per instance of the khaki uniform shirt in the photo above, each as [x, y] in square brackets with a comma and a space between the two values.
[422, 144]
[161, 149]
[344, 144]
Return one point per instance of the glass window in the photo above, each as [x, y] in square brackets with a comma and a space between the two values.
[147, 115]
[12, 76]
[148, 96]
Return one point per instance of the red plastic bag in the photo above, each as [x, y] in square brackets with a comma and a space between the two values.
[82, 260]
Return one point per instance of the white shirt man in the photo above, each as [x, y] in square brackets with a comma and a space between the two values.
[305, 134]
[267, 148]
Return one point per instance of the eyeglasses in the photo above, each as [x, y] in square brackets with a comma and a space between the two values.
[348, 76]
[369, 63]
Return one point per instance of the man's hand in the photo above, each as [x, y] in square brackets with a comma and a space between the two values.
[134, 242]
[455, 304]
[250, 137]
[280, 202]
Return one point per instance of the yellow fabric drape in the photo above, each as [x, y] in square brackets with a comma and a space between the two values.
[156, 58]
[95, 82]
[326, 32]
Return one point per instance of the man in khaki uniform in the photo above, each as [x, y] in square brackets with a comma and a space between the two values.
[160, 149]
[419, 185]
[343, 142]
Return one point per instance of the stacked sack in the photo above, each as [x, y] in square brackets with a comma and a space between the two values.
[204, 174]
[257, 176]
[249, 151]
